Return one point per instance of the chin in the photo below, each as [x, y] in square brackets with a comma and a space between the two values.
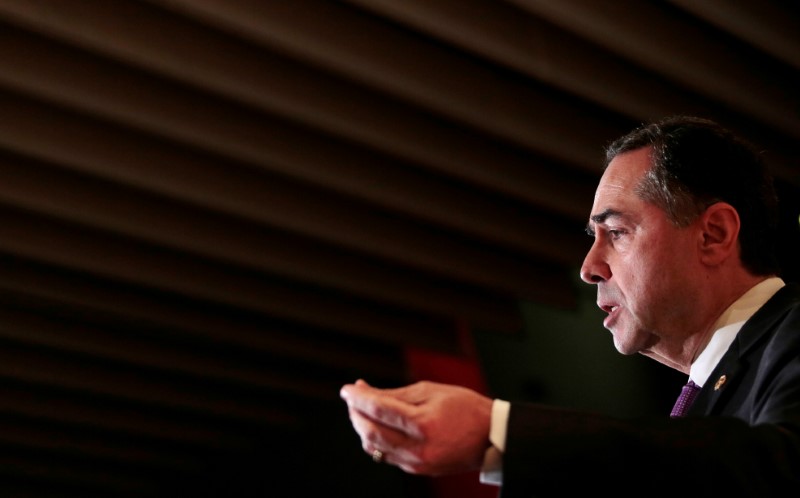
[625, 347]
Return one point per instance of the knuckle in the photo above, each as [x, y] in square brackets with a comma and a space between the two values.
[371, 436]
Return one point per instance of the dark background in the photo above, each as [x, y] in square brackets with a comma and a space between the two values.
[214, 213]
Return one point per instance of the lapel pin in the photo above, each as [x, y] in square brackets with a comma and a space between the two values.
[720, 382]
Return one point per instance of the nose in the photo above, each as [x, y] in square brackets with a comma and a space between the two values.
[595, 269]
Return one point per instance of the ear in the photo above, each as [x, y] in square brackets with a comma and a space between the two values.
[719, 226]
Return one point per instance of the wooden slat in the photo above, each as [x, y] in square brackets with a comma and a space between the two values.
[768, 25]
[43, 288]
[467, 91]
[49, 405]
[330, 45]
[119, 258]
[513, 37]
[208, 364]
[721, 68]
[102, 87]
[108, 206]
[100, 147]
[234, 68]
[557, 57]
[48, 476]
[77, 372]
[83, 442]
[447, 149]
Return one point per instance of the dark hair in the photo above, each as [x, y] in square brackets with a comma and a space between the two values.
[695, 163]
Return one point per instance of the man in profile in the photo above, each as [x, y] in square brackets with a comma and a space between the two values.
[684, 224]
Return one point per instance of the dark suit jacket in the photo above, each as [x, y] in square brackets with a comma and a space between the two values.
[741, 436]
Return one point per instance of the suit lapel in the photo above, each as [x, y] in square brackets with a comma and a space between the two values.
[729, 369]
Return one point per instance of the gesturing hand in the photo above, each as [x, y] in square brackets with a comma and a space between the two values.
[424, 428]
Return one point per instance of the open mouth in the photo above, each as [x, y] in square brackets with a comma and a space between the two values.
[609, 308]
[611, 318]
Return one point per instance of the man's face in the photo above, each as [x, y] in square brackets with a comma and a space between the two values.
[642, 264]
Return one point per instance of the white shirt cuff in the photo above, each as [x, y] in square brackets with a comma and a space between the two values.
[492, 470]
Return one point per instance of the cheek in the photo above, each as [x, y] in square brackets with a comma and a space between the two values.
[639, 266]
[647, 276]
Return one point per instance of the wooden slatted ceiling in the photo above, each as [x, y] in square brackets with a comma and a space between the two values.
[214, 212]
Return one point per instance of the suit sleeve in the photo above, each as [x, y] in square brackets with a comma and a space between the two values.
[556, 452]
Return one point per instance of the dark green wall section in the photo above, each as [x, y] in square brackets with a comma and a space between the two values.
[566, 357]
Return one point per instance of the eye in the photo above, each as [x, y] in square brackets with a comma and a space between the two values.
[615, 234]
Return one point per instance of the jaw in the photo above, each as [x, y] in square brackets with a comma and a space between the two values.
[666, 361]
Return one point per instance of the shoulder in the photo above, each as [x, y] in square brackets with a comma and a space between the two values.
[783, 308]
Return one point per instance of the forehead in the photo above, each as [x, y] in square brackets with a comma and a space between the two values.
[617, 186]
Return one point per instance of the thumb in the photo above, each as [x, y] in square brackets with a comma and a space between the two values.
[347, 389]
[379, 406]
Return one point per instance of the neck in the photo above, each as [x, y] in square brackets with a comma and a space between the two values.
[708, 303]
[735, 290]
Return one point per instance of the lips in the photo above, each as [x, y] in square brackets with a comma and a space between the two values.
[607, 303]
[608, 308]
[612, 309]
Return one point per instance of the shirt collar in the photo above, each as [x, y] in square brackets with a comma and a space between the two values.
[729, 324]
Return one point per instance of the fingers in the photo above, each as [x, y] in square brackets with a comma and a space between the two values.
[393, 447]
[424, 428]
[390, 421]
[413, 394]
[383, 423]
[381, 406]
[375, 436]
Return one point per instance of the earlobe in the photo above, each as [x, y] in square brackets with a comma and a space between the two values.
[720, 229]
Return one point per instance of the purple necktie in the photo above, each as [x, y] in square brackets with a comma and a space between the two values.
[688, 394]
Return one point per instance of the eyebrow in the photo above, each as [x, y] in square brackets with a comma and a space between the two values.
[601, 218]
